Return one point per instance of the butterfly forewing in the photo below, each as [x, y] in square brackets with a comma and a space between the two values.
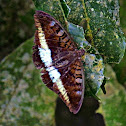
[55, 53]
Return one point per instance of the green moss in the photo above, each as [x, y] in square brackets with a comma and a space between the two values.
[24, 98]
[113, 103]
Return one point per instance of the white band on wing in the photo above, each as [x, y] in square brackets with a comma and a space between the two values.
[53, 73]
[45, 55]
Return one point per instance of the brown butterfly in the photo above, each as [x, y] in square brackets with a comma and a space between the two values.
[57, 56]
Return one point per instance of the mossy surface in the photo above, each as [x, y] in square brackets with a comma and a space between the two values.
[25, 100]
[112, 105]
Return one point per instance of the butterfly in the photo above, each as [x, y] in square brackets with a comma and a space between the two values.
[59, 60]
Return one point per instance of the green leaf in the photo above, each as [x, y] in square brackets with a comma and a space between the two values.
[24, 99]
[65, 8]
[121, 67]
[103, 27]
[77, 33]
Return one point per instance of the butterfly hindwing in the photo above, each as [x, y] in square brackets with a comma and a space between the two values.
[73, 82]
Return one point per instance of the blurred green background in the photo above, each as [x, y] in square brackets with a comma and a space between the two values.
[16, 24]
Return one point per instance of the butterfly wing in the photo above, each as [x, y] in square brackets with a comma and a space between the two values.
[73, 81]
[51, 41]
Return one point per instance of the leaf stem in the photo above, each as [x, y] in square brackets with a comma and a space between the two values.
[66, 22]
[89, 31]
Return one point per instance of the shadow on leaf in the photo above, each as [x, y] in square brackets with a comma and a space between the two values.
[86, 116]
